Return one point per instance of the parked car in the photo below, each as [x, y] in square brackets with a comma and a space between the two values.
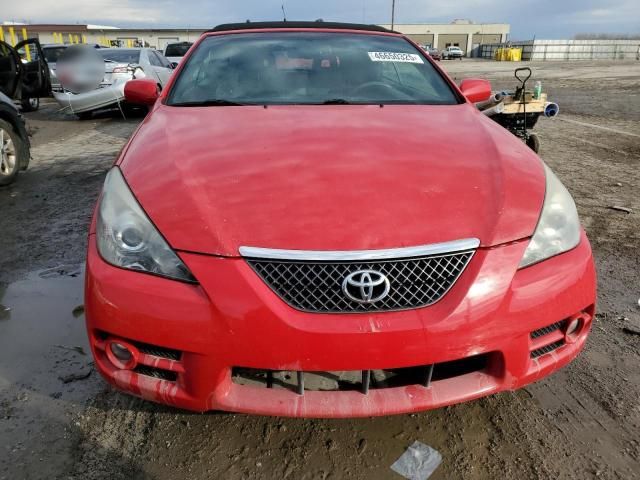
[24, 75]
[14, 141]
[280, 236]
[175, 51]
[121, 65]
[52, 52]
[434, 53]
[452, 52]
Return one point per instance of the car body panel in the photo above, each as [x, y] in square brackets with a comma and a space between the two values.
[23, 78]
[332, 192]
[452, 52]
[168, 49]
[321, 178]
[92, 100]
[10, 70]
[433, 53]
[55, 82]
[240, 322]
[111, 90]
[160, 66]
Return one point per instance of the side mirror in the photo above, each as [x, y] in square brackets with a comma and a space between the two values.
[174, 65]
[475, 89]
[141, 91]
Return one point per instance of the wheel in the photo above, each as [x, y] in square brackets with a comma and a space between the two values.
[30, 104]
[135, 111]
[12, 149]
[533, 142]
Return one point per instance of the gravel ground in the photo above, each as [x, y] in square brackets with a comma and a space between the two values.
[582, 422]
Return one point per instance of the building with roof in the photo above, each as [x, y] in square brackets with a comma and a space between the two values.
[462, 33]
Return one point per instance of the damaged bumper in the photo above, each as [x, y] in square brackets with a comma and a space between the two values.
[95, 99]
[230, 343]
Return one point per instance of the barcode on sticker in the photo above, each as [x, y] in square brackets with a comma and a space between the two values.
[395, 57]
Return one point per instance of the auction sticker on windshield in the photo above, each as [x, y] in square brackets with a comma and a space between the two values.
[395, 57]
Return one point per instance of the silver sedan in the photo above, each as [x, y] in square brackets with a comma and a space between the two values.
[120, 66]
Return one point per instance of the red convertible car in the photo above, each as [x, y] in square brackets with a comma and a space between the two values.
[279, 236]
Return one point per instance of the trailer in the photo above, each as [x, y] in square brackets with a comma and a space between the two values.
[518, 111]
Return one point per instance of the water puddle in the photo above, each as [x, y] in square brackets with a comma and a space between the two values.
[42, 330]
[46, 372]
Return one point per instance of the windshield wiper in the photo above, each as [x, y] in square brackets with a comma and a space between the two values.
[336, 101]
[212, 102]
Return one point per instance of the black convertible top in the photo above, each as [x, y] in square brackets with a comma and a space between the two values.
[317, 24]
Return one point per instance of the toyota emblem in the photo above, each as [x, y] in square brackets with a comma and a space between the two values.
[366, 286]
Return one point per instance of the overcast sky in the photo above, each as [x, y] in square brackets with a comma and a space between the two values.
[542, 18]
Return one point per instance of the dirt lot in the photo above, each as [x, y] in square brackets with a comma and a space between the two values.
[582, 422]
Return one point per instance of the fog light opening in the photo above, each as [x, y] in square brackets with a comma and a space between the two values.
[122, 355]
[121, 352]
[573, 329]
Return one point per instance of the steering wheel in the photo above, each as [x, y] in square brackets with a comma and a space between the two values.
[373, 84]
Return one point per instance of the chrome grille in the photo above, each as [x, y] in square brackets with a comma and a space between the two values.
[316, 286]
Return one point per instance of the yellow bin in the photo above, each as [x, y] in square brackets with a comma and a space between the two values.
[515, 54]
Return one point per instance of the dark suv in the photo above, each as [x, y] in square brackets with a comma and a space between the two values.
[24, 74]
[14, 142]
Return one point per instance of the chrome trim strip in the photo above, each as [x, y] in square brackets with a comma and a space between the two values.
[351, 255]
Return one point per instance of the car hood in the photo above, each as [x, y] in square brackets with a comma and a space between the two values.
[340, 177]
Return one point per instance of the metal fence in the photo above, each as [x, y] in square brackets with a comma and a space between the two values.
[570, 49]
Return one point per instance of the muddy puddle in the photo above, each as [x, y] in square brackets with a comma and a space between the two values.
[42, 332]
[44, 353]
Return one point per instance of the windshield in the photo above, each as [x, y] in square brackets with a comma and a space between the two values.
[120, 56]
[51, 54]
[177, 49]
[308, 68]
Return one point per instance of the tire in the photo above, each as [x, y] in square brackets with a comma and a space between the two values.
[135, 111]
[30, 104]
[85, 115]
[12, 151]
[533, 142]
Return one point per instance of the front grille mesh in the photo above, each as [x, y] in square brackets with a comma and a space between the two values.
[541, 332]
[156, 373]
[547, 348]
[156, 351]
[317, 286]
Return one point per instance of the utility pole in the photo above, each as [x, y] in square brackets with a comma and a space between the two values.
[393, 13]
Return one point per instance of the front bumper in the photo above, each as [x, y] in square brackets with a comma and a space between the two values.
[232, 319]
[92, 100]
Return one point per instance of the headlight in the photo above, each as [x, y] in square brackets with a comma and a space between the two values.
[558, 229]
[127, 238]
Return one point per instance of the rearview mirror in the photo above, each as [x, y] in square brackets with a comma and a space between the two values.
[475, 89]
[141, 91]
